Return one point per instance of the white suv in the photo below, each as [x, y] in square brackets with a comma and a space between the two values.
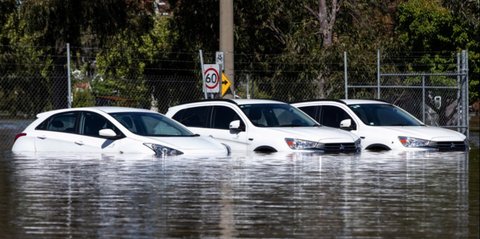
[262, 126]
[382, 126]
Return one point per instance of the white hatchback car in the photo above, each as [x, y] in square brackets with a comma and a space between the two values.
[382, 126]
[113, 130]
[262, 126]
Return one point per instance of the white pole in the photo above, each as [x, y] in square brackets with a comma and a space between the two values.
[378, 74]
[345, 73]
[69, 95]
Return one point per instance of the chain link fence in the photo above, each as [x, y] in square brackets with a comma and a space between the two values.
[437, 99]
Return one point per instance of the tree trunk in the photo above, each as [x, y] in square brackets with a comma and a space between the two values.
[326, 18]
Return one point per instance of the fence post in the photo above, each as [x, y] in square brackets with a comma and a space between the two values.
[459, 92]
[248, 86]
[465, 90]
[345, 67]
[423, 98]
[378, 73]
[203, 73]
[69, 80]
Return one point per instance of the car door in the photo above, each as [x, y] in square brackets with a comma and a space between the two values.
[58, 133]
[331, 115]
[222, 116]
[90, 140]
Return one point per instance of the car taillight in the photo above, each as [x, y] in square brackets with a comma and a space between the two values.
[19, 135]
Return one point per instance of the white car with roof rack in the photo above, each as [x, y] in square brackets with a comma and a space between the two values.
[262, 126]
[116, 130]
[383, 126]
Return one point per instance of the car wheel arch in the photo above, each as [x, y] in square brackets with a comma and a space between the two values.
[378, 147]
[265, 149]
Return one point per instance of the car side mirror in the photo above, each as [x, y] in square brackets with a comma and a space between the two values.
[235, 127]
[346, 124]
[108, 133]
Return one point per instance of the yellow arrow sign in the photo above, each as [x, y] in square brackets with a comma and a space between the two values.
[225, 84]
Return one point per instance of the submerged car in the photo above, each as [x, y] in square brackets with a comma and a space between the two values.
[113, 130]
[383, 126]
[262, 126]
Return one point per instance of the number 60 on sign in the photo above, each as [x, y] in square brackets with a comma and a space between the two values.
[211, 78]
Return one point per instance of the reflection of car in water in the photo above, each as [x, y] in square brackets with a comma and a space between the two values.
[382, 126]
[113, 130]
[262, 125]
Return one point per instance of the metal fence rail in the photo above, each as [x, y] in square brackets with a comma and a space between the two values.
[438, 99]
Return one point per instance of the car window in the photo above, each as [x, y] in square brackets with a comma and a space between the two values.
[63, 122]
[150, 124]
[332, 116]
[310, 110]
[222, 116]
[194, 117]
[383, 115]
[276, 115]
[92, 123]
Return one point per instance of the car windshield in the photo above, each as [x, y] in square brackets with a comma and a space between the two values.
[277, 115]
[151, 124]
[383, 115]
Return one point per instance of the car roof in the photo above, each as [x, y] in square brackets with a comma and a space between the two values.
[362, 101]
[106, 109]
[256, 101]
[347, 101]
[231, 101]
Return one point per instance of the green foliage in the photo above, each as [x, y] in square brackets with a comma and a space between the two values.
[83, 99]
[425, 25]
[431, 29]
[23, 83]
[123, 63]
[122, 46]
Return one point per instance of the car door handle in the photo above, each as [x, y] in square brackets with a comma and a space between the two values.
[42, 137]
[362, 137]
[79, 142]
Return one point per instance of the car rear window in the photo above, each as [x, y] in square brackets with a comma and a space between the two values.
[194, 117]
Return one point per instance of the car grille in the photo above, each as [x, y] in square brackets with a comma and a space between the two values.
[340, 148]
[450, 146]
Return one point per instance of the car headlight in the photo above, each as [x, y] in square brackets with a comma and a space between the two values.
[163, 151]
[411, 142]
[302, 144]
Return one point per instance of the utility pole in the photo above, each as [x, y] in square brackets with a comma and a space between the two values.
[226, 39]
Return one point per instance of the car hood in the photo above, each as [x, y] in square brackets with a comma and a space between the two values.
[320, 134]
[427, 132]
[192, 145]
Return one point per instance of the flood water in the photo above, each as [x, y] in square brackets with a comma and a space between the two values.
[374, 195]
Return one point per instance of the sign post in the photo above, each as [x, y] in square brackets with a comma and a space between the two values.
[220, 60]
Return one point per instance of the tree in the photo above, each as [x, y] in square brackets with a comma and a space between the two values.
[23, 79]
[326, 16]
[89, 23]
[429, 32]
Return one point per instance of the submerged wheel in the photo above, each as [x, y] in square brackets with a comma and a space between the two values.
[377, 147]
[265, 149]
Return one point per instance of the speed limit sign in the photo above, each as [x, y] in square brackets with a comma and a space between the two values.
[211, 78]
